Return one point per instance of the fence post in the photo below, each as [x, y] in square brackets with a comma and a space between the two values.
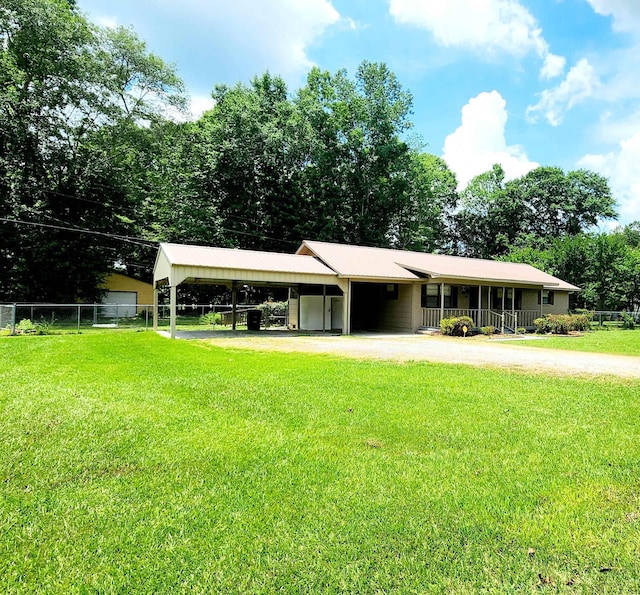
[13, 320]
[79, 319]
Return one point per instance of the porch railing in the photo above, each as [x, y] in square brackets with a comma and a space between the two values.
[431, 317]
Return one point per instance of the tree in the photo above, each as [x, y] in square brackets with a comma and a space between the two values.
[354, 173]
[532, 210]
[65, 101]
[423, 218]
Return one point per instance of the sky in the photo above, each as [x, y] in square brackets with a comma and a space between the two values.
[522, 83]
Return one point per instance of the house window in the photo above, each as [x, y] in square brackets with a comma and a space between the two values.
[391, 291]
[509, 292]
[547, 297]
[431, 296]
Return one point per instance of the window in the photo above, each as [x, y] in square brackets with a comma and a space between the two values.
[431, 296]
[547, 297]
[496, 300]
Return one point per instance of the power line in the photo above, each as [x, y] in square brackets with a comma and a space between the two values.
[132, 240]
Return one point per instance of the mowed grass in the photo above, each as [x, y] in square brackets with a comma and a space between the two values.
[130, 463]
[618, 342]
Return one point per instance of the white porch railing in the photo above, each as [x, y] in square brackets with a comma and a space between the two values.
[431, 317]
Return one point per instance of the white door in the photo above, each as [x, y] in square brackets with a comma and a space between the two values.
[336, 313]
[311, 314]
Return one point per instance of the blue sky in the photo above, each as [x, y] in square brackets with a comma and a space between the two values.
[519, 82]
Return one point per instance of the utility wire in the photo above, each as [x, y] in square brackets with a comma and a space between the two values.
[132, 240]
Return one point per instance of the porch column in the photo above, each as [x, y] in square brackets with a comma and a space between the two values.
[155, 307]
[479, 321]
[513, 311]
[234, 304]
[299, 306]
[441, 301]
[504, 290]
[172, 311]
[489, 306]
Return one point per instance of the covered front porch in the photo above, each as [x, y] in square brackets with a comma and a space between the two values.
[505, 308]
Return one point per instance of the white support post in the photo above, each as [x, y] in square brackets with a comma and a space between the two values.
[155, 307]
[172, 311]
[234, 304]
[441, 301]
[479, 322]
[346, 309]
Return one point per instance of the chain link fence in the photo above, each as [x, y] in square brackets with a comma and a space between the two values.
[39, 318]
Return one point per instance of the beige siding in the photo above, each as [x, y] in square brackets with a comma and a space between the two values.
[530, 299]
[293, 313]
[560, 304]
[397, 315]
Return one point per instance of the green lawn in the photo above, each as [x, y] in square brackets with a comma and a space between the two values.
[131, 463]
[622, 342]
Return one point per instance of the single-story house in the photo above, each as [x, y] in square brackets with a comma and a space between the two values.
[125, 296]
[350, 288]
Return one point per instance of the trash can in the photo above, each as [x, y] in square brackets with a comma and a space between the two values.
[253, 320]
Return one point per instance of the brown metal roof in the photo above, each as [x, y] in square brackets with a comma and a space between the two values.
[229, 258]
[383, 263]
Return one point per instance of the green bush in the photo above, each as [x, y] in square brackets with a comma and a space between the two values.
[25, 326]
[211, 318]
[454, 326]
[627, 321]
[562, 324]
[488, 330]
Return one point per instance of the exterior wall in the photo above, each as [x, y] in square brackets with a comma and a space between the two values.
[530, 299]
[118, 282]
[293, 313]
[560, 304]
[397, 315]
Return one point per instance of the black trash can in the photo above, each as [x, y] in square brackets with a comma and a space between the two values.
[253, 320]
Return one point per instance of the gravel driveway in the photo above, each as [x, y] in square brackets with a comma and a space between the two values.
[477, 351]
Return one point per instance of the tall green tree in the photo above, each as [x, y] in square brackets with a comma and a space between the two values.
[423, 219]
[68, 90]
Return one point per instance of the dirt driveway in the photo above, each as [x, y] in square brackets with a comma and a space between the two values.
[477, 351]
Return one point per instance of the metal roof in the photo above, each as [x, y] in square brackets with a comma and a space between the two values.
[230, 258]
[383, 263]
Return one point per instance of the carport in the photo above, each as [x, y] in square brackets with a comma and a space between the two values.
[178, 263]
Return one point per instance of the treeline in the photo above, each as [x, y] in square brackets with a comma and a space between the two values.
[91, 140]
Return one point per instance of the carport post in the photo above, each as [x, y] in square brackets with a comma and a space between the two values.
[234, 305]
[155, 307]
[346, 309]
[172, 312]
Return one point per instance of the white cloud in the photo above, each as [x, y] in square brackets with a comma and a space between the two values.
[107, 21]
[198, 104]
[479, 142]
[553, 66]
[580, 84]
[622, 167]
[625, 13]
[492, 25]
[276, 33]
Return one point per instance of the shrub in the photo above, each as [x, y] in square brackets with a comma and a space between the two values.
[454, 326]
[627, 321]
[25, 326]
[488, 330]
[562, 324]
[211, 318]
